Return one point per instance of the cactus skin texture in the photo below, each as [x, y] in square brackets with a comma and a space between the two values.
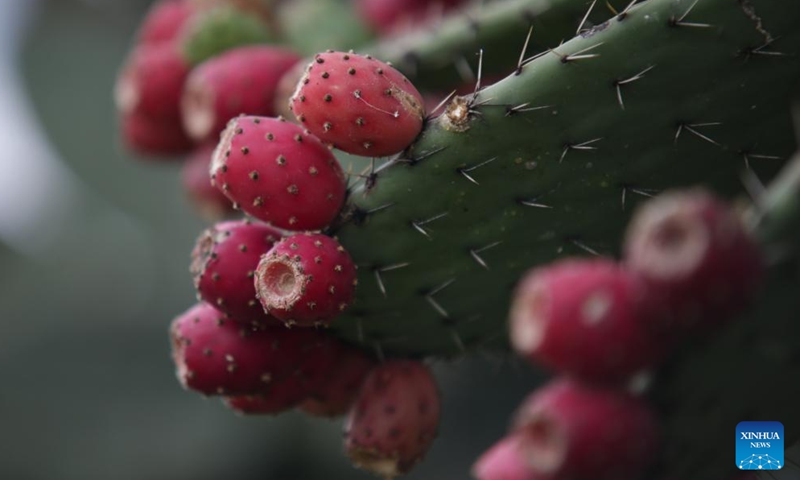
[436, 57]
[551, 160]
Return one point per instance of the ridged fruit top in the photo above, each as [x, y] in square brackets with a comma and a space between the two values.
[224, 260]
[306, 279]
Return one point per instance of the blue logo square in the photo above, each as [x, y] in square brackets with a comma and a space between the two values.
[759, 445]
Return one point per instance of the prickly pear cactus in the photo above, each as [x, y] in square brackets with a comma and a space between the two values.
[550, 160]
[592, 109]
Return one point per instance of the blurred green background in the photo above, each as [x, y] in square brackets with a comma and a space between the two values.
[94, 253]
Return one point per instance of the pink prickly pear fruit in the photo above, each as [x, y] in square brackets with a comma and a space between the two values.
[215, 355]
[224, 261]
[207, 199]
[240, 81]
[504, 461]
[694, 251]
[388, 17]
[281, 396]
[569, 429]
[286, 87]
[358, 104]
[153, 138]
[151, 82]
[585, 317]
[394, 419]
[279, 173]
[306, 279]
[164, 21]
[333, 396]
[314, 370]
[308, 374]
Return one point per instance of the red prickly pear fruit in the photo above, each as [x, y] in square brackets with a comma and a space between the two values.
[215, 355]
[306, 279]
[569, 429]
[693, 250]
[224, 261]
[151, 82]
[164, 21]
[333, 396]
[585, 317]
[207, 199]
[286, 87]
[358, 104]
[242, 80]
[279, 173]
[388, 17]
[504, 461]
[152, 138]
[394, 419]
[310, 372]
[280, 397]
[314, 370]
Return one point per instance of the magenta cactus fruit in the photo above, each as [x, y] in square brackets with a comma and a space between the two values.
[572, 430]
[152, 137]
[394, 419]
[312, 371]
[693, 250]
[587, 318]
[358, 104]
[164, 21]
[504, 461]
[240, 81]
[334, 395]
[279, 397]
[390, 16]
[207, 199]
[279, 173]
[215, 355]
[306, 279]
[151, 81]
[224, 260]
[316, 369]
[286, 87]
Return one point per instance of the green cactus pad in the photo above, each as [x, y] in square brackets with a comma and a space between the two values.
[551, 160]
[220, 29]
[313, 26]
[439, 56]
